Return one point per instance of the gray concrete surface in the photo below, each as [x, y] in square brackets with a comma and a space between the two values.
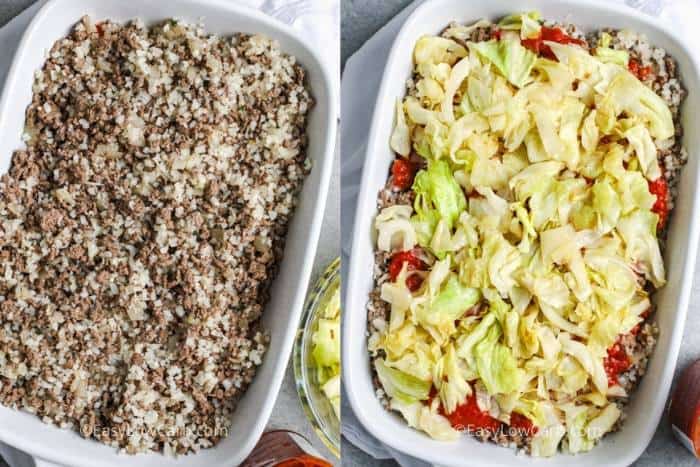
[287, 412]
[362, 18]
[10, 8]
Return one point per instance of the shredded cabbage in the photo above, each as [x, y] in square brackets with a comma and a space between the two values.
[534, 217]
[496, 365]
[510, 58]
[438, 196]
[326, 351]
[527, 23]
[400, 139]
[609, 55]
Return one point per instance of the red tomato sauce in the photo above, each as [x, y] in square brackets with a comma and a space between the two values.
[522, 424]
[616, 362]
[641, 72]
[413, 281]
[469, 417]
[100, 27]
[403, 172]
[304, 460]
[635, 330]
[659, 188]
[538, 46]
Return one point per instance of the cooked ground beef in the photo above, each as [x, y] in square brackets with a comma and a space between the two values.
[141, 228]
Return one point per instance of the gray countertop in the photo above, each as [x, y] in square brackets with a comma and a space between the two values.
[359, 21]
[287, 412]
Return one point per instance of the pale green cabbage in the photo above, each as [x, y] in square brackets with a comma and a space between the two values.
[438, 196]
[400, 138]
[535, 218]
[609, 55]
[510, 58]
[400, 385]
[527, 23]
[497, 367]
[325, 352]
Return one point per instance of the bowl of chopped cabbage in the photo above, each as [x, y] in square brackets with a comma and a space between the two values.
[317, 358]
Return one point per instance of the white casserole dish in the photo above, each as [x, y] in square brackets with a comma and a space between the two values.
[647, 403]
[25, 431]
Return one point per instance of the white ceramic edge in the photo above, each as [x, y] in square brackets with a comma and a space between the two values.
[353, 367]
[42, 463]
[41, 453]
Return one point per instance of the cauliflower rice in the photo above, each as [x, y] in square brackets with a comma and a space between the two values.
[141, 229]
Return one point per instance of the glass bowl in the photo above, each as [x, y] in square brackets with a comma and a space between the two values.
[317, 407]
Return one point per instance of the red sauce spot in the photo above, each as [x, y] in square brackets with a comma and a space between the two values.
[659, 188]
[533, 44]
[641, 72]
[616, 362]
[635, 330]
[304, 460]
[522, 424]
[644, 72]
[403, 172]
[538, 46]
[413, 281]
[496, 34]
[469, 417]
[432, 394]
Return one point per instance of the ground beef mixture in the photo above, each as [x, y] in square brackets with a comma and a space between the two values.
[141, 227]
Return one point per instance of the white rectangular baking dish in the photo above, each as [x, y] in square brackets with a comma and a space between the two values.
[53, 21]
[648, 402]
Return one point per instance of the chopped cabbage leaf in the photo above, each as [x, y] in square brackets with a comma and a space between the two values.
[604, 422]
[438, 196]
[400, 385]
[449, 379]
[627, 94]
[400, 138]
[449, 304]
[462, 32]
[394, 228]
[546, 441]
[619, 57]
[510, 58]
[645, 149]
[638, 230]
[527, 23]
[609, 55]
[607, 206]
[434, 50]
[497, 367]
[459, 73]
[331, 389]
[591, 363]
